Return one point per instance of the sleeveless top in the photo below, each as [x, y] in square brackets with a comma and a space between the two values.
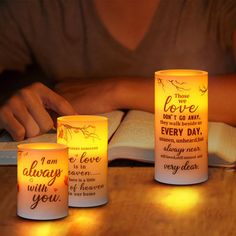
[66, 38]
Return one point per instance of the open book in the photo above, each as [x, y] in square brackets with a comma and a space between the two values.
[131, 136]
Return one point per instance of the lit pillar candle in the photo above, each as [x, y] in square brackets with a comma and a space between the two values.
[86, 138]
[181, 126]
[42, 181]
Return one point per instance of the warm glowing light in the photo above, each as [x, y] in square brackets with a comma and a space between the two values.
[85, 218]
[43, 229]
[181, 126]
[86, 138]
[85, 221]
[181, 199]
[42, 181]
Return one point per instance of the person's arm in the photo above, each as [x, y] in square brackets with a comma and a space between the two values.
[135, 93]
[98, 96]
[94, 96]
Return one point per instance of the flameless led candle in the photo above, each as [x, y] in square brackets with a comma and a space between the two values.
[42, 181]
[181, 126]
[86, 138]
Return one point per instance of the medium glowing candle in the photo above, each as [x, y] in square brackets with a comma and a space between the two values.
[181, 126]
[86, 138]
[42, 181]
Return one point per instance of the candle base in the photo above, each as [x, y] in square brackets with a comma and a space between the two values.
[181, 182]
[41, 218]
[85, 204]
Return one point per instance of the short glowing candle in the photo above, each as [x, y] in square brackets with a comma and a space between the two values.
[42, 181]
[181, 126]
[86, 138]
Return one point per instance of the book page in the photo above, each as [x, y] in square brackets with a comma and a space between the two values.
[135, 137]
[221, 143]
[114, 120]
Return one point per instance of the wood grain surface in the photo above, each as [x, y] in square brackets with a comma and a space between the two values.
[137, 206]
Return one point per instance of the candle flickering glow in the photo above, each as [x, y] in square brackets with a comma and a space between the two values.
[87, 139]
[181, 200]
[42, 181]
[181, 126]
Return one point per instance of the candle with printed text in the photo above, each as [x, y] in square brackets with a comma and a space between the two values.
[181, 126]
[87, 139]
[42, 181]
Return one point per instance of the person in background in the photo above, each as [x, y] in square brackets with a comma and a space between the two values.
[101, 55]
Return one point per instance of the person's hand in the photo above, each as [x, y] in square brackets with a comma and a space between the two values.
[94, 96]
[89, 96]
[25, 114]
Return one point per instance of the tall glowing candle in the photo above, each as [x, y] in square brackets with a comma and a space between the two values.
[181, 126]
[42, 181]
[86, 138]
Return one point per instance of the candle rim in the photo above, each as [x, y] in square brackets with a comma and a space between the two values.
[44, 146]
[185, 73]
[89, 118]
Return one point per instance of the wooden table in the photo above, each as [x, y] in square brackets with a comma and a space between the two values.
[138, 206]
